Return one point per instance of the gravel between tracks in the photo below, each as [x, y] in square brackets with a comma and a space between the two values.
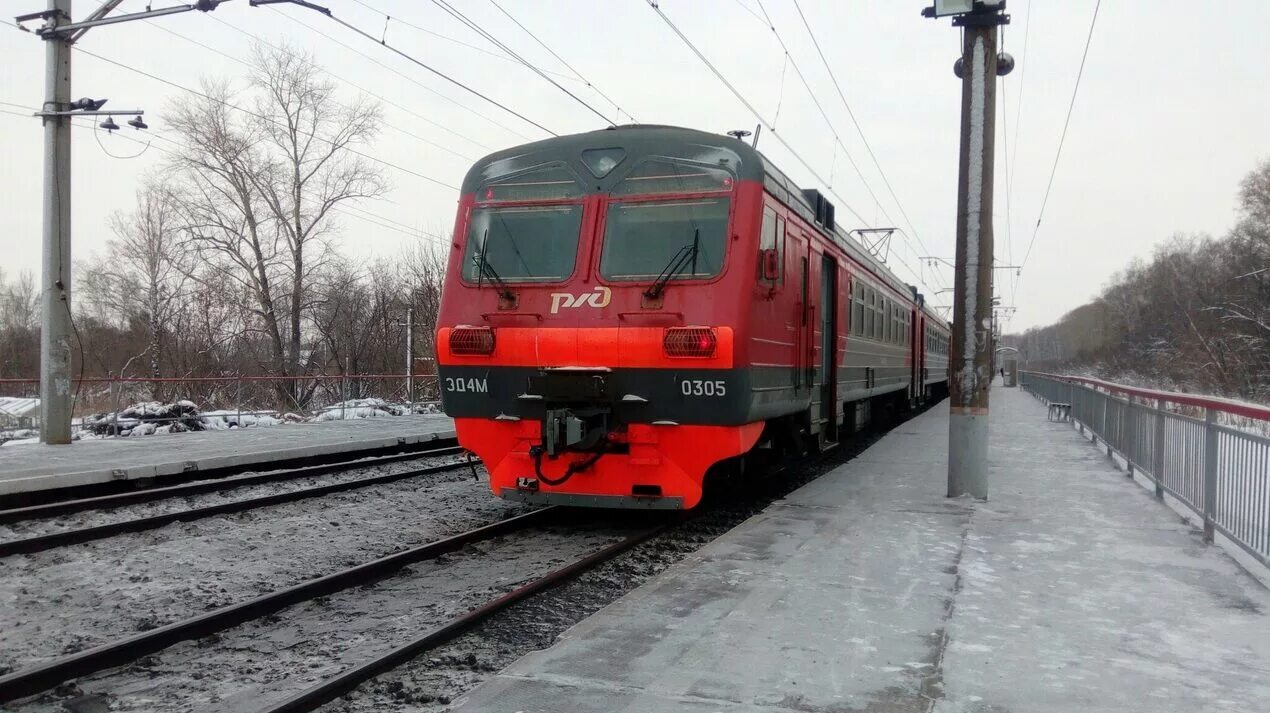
[430, 683]
[71, 598]
[266, 660]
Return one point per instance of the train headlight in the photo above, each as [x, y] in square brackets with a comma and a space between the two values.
[472, 341]
[689, 342]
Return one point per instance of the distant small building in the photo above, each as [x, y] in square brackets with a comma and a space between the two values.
[19, 412]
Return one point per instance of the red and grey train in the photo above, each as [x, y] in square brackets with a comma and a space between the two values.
[625, 308]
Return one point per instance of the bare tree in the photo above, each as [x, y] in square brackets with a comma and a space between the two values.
[142, 273]
[19, 325]
[257, 189]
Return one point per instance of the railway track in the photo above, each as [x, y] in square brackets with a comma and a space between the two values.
[66, 507]
[318, 695]
[81, 535]
[550, 592]
[35, 679]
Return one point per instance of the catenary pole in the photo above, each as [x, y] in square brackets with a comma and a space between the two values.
[410, 356]
[55, 292]
[972, 340]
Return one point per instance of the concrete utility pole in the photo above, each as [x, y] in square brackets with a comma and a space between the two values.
[410, 355]
[55, 292]
[59, 33]
[972, 343]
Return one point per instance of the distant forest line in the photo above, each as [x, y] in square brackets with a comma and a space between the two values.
[1195, 317]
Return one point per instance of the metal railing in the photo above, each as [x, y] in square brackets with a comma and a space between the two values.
[1211, 454]
[107, 406]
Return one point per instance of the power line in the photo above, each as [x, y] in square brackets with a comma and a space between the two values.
[1063, 138]
[456, 14]
[1018, 109]
[823, 114]
[847, 105]
[475, 112]
[571, 68]
[828, 122]
[369, 216]
[262, 117]
[414, 60]
[1005, 138]
[361, 213]
[421, 117]
[741, 98]
[358, 87]
[461, 43]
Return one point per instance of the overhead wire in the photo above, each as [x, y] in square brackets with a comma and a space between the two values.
[763, 120]
[816, 101]
[1063, 137]
[332, 75]
[745, 102]
[771, 25]
[447, 38]
[1005, 138]
[860, 130]
[475, 112]
[1018, 108]
[359, 212]
[262, 117]
[476, 27]
[424, 65]
[571, 68]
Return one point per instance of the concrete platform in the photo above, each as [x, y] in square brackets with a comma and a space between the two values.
[37, 467]
[1072, 589]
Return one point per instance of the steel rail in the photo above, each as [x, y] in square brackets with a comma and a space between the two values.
[345, 682]
[101, 502]
[49, 674]
[81, 535]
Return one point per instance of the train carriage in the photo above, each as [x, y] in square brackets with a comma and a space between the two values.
[625, 308]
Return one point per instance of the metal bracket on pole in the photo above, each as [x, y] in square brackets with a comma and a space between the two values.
[72, 31]
[301, 3]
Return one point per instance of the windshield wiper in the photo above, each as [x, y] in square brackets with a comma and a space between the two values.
[686, 254]
[487, 270]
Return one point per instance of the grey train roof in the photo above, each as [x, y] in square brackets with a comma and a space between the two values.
[642, 140]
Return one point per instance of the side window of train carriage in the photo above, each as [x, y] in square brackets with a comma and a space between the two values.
[525, 227]
[644, 236]
[886, 318]
[857, 308]
[869, 312]
[771, 249]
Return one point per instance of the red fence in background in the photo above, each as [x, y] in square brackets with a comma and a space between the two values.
[1216, 403]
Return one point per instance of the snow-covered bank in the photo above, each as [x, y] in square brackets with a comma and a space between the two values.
[154, 417]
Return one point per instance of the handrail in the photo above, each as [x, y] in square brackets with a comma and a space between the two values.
[1216, 403]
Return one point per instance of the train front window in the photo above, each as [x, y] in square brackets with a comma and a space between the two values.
[642, 239]
[522, 243]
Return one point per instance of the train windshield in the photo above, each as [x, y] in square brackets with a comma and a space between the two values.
[641, 239]
[522, 243]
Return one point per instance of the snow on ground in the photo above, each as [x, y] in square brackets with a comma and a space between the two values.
[152, 417]
[372, 408]
[71, 598]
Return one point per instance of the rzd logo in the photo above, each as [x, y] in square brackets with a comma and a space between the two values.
[599, 298]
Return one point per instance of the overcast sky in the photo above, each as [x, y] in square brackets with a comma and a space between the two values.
[1172, 113]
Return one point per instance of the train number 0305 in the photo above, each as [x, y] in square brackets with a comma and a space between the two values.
[700, 387]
